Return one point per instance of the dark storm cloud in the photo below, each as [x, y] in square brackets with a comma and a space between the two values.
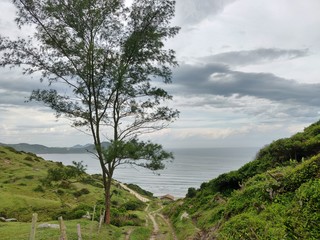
[192, 12]
[257, 56]
[217, 79]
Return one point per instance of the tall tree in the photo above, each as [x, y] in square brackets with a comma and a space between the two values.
[111, 58]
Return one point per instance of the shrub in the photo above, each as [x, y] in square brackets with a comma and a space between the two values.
[28, 164]
[29, 177]
[56, 174]
[76, 212]
[65, 184]
[120, 218]
[304, 216]
[81, 192]
[133, 205]
[28, 158]
[192, 192]
[302, 173]
[39, 188]
[139, 190]
[249, 226]
[60, 192]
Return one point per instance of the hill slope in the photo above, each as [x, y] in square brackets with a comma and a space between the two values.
[276, 196]
[30, 184]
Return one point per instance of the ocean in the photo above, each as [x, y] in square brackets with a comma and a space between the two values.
[190, 168]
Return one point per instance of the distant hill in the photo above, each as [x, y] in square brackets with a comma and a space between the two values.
[41, 149]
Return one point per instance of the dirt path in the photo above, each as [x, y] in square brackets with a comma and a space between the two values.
[157, 234]
[152, 215]
[155, 231]
[137, 195]
[169, 225]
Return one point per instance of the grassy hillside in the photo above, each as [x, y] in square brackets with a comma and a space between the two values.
[276, 196]
[30, 184]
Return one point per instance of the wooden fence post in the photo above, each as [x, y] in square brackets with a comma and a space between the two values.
[33, 226]
[91, 228]
[79, 231]
[63, 230]
[100, 222]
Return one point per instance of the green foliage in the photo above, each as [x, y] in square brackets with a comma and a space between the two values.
[28, 158]
[81, 192]
[75, 213]
[191, 192]
[275, 196]
[302, 173]
[133, 150]
[39, 188]
[249, 225]
[25, 192]
[108, 66]
[139, 190]
[305, 212]
[21, 231]
[62, 173]
[120, 217]
[92, 180]
[141, 233]
[133, 205]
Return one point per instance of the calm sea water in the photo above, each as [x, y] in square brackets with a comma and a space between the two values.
[190, 168]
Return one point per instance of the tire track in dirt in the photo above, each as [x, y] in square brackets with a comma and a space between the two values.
[156, 235]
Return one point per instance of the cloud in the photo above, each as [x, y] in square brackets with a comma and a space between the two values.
[15, 88]
[256, 56]
[192, 12]
[215, 89]
[217, 79]
[36, 125]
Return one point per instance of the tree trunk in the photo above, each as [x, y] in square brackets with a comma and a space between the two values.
[107, 180]
[107, 192]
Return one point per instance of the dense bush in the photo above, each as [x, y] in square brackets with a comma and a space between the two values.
[61, 172]
[39, 188]
[133, 205]
[81, 192]
[120, 217]
[74, 213]
[192, 192]
[304, 215]
[139, 190]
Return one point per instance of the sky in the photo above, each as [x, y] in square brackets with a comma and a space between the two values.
[248, 75]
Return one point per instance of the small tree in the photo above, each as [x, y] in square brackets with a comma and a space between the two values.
[107, 55]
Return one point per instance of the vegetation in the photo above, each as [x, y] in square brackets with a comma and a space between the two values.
[273, 197]
[276, 196]
[106, 54]
[89, 230]
[139, 190]
[30, 184]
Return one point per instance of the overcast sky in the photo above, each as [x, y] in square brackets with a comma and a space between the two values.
[248, 75]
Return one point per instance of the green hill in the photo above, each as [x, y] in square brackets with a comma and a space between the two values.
[276, 196]
[31, 184]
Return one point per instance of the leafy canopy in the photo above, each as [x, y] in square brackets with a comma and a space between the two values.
[106, 54]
